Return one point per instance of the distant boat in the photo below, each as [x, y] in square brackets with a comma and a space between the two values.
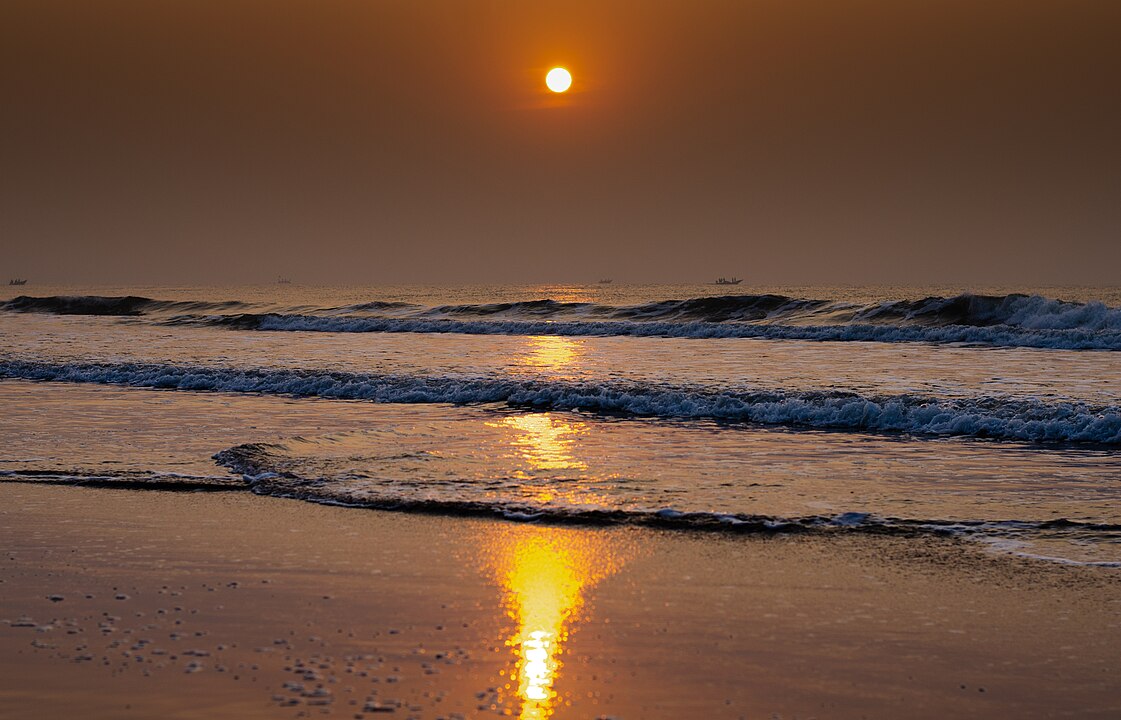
[283, 281]
[606, 281]
[17, 281]
[728, 281]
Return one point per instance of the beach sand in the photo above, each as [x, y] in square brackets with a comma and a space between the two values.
[144, 604]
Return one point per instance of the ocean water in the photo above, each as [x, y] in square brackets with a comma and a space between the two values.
[992, 415]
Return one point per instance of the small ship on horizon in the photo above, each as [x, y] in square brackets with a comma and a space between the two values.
[728, 281]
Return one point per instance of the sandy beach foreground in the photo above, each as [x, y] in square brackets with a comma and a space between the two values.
[125, 604]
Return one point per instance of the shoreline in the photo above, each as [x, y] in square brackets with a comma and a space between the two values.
[428, 616]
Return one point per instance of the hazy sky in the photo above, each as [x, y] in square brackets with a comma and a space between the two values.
[352, 141]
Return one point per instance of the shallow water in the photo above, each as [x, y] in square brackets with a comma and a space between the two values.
[1013, 446]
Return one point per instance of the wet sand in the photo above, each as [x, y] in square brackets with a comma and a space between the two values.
[128, 604]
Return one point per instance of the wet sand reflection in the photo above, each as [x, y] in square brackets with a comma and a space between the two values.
[545, 574]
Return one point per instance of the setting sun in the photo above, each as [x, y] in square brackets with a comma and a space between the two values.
[558, 79]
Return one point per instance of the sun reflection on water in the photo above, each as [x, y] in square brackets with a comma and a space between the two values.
[544, 449]
[545, 441]
[551, 352]
[544, 574]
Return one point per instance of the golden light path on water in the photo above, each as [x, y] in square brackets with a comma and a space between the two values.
[551, 352]
[545, 573]
[545, 441]
[546, 445]
[544, 449]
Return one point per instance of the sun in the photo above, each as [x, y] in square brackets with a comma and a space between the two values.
[558, 79]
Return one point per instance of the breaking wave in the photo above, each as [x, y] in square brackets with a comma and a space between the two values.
[995, 417]
[1027, 321]
[1014, 320]
[1000, 336]
[1028, 312]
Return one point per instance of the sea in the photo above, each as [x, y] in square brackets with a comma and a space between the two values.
[990, 415]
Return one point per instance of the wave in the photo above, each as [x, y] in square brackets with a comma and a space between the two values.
[254, 471]
[1015, 320]
[526, 308]
[1025, 312]
[123, 306]
[132, 479]
[1000, 336]
[255, 468]
[993, 417]
[999, 321]
[379, 305]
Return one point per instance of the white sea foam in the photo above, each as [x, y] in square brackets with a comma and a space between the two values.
[996, 417]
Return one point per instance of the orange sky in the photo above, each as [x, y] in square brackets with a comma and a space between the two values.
[785, 141]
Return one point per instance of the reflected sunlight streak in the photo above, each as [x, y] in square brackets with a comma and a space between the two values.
[544, 573]
[553, 353]
[544, 441]
[547, 444]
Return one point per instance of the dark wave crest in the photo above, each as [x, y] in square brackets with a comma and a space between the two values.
[998, 321]
[1028, 312]
[1014, 320]
[122, 306]
[379, 305]
[998, 336]
[527, 308]
[743, 308]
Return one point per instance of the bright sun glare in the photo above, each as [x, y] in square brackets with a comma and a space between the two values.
[558, 79]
